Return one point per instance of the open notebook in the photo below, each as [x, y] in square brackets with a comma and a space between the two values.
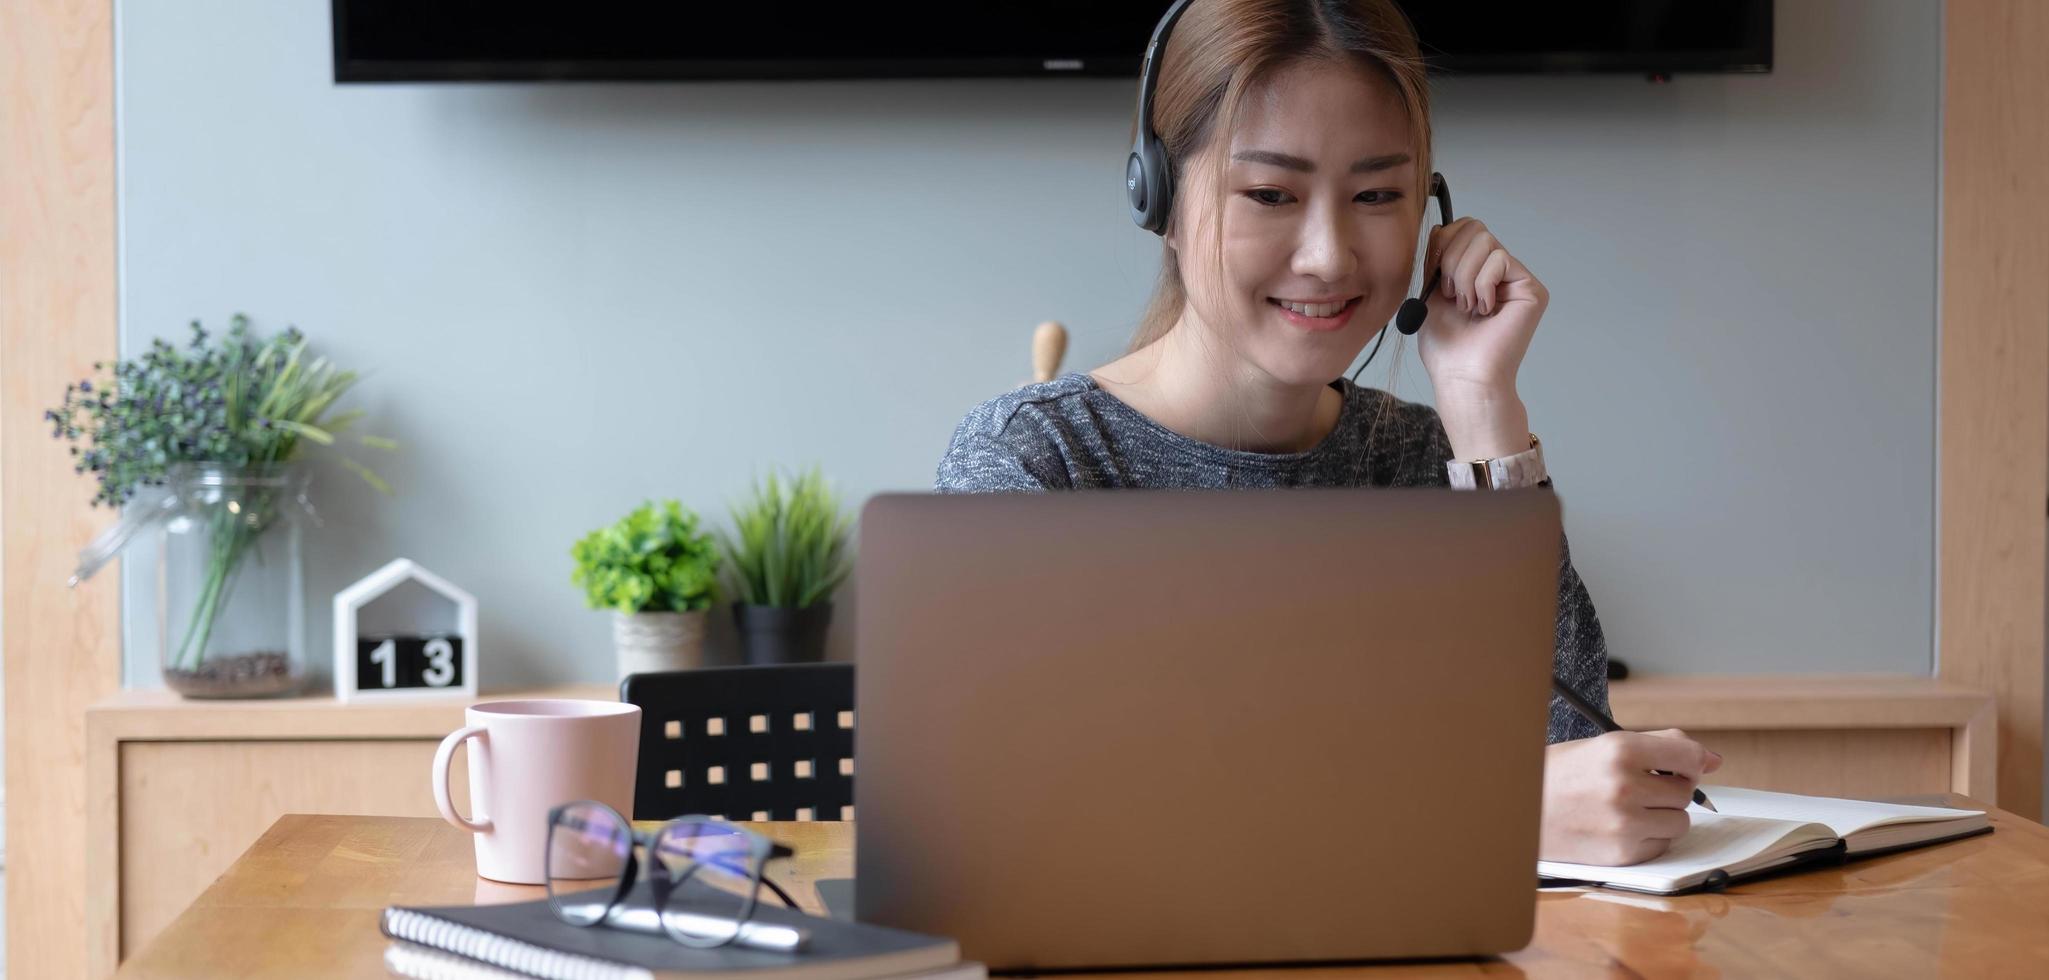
[1757, 831]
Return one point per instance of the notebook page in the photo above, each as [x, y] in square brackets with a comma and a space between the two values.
[1845, 817]
[1716, 840]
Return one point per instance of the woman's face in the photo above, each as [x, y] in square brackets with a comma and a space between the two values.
[1317, 214]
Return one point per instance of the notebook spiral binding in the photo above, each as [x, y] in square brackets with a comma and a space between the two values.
[418, 962]
[502, 951]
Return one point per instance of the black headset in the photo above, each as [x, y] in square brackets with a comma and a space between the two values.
[1147, 176]
[1149, 180]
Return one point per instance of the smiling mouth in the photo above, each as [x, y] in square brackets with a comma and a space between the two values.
[1315, 311]
[1327, 317]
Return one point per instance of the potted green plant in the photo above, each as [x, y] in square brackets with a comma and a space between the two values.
[658, 573]
[201, 443]
[786, 554]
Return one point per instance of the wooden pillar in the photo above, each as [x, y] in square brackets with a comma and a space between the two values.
[57, 316]
[1993, 437]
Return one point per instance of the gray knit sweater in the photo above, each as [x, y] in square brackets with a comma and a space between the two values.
[1070, 434]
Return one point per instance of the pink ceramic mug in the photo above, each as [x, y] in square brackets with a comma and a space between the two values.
[527, 757]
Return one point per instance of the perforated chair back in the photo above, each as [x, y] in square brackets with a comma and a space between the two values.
[745, 743]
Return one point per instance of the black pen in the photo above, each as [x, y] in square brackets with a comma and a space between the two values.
[1607, 724]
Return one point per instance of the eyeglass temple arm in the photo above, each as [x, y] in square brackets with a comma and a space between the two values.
[776, 849]
[788, 902]
[718, 860]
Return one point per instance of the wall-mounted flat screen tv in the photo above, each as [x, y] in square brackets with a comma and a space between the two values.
[653, 40]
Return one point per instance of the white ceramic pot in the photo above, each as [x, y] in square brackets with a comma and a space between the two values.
[651, 641]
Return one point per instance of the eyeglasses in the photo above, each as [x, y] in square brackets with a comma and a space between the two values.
[704, 876]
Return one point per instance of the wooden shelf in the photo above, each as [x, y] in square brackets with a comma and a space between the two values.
[163, 715]
[1794, 701]
[1864, 735]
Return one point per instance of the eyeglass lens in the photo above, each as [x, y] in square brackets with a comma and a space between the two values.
[588, 848]
[715, 872]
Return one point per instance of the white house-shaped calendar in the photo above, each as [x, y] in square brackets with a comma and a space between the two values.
[404, 632]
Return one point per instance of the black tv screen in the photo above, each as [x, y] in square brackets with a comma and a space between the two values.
[623, 40]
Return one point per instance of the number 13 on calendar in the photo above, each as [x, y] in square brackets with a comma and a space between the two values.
[408, 661]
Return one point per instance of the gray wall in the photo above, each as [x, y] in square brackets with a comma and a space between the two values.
[570, 298]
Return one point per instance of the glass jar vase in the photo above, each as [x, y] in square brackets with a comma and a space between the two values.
[230, 596]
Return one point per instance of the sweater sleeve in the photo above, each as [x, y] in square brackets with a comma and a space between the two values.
[1581, 660]
[1580, 657]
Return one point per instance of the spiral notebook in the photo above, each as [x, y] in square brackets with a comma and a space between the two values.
[527, 940]
[417, 962]
[1759, 832]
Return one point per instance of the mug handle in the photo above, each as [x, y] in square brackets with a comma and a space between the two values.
[442, 757]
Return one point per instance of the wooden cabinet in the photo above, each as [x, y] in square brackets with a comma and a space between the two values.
[177, 790]
[1839, 735]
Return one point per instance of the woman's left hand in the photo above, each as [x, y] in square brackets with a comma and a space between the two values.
[1483, 314]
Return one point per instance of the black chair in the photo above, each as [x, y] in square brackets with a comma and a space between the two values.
[745, 743]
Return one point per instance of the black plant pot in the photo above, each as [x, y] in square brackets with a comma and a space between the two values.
[778, 635]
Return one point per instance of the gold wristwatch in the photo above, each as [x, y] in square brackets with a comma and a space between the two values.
[1524, 469]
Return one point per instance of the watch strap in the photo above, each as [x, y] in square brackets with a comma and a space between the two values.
[1524, 469]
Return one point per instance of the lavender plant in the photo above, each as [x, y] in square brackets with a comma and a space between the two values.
[238, 402]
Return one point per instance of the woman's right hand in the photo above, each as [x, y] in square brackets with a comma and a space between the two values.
[1602, 803]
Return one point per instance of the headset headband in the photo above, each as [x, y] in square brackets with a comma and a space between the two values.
[1148, 180]
[1149, 73]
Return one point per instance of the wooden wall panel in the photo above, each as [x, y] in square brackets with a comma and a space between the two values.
[57, 316]
[1994, 375]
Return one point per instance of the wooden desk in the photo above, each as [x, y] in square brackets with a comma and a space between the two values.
[304, 901]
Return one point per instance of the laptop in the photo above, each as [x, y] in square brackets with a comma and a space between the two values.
[1169, 728]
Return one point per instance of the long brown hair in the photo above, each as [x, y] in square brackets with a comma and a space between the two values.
[1221, 49]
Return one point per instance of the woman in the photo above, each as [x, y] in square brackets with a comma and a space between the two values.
[1299, 138]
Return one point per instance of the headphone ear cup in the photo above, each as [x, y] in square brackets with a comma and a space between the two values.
[1146, 174]
[1161, 207]
[1138, 187]
[1152, 200]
